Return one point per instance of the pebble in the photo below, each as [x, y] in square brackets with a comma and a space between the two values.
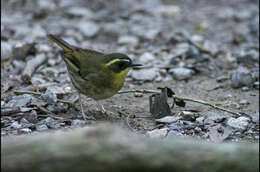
[15, 125]
[41, 127]
[89, 29]
[187, 115]
[181, 73]
[147, 58]
[78, 123]
[6, 50]
[158, 133]
[80, 11]
[200, 120]
[19, 101]
[144, 74]
[241, 77]
[255, 117]
[240, 123]
[244, 102]
[167, 119]
[129, 40]
[25, 131]
[49, 97]
[245, 89]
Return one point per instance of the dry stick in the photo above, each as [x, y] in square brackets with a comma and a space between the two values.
[31, 67]
[182, 98]
[39, 94]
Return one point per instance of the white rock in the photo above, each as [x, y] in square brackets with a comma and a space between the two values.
[88, 28]
[240, 123]
[158, 133]
[146, 58]
[181, 73]
[168, 119]
[144, 74]
[130, 40]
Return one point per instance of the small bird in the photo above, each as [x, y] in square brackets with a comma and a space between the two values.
[95, 74]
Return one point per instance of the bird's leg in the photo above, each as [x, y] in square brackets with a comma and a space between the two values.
[85, 117]
[101, 108]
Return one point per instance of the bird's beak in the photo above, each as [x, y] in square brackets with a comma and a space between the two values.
[135, 64]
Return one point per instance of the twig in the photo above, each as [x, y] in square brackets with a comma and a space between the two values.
[31, 67]
[182, 98]
[39, 94]
[49, 113]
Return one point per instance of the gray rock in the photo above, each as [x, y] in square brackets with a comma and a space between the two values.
[200, 120]
[25, 131]
[255, 117]
[181, 73]
[49, 97]
[129, 40]
[244, 102]
[240, 123]
[241, 77]
[41, 127]
[6, 50]
[187, 115]
[168, 119]
[213, 117]
[144, 74]
[19, 101]
[78, 123]
[88, 28]
[158, 133]
[15, 125]
[147, 58]
[80, 11]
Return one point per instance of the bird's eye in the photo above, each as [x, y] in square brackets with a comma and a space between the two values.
[122, 65]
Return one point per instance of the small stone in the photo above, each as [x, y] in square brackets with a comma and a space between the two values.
[78, 123]
[15, 125]
[181, 73]
[24, 121]
[158, 133]
[244, 88]
[6, 50]
[187, 115]
[147, 58]
[25, 131]
[255, 117]
[41, 127]
[241, 77]
[244, 102]
[89, 29]
[19, 101]
[130, 40]
[240, 123]
[167, 119]
[200, 120]
[80, 11]
[49, 97]
[144, 74]
[168, 10]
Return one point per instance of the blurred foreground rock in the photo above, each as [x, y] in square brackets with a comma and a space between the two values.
[102, 147]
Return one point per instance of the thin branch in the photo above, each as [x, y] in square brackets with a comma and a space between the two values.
[182, 98]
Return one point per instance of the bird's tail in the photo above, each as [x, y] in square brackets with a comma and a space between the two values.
[61, 43]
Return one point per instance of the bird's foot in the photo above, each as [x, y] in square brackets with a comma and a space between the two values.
[101, 109]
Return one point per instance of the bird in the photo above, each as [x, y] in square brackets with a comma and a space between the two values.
[94, 74]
